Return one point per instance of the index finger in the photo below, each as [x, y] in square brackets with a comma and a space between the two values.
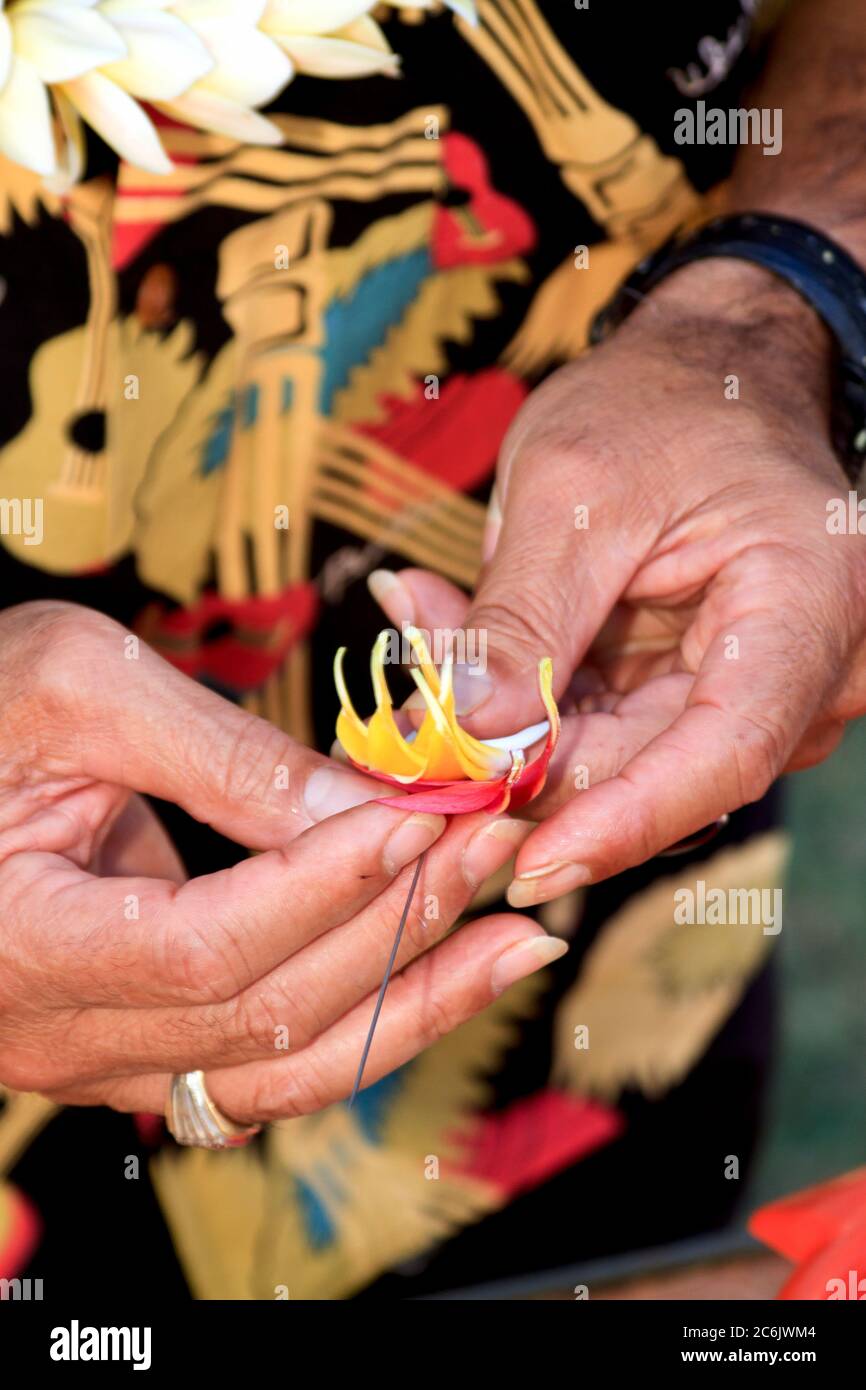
[139, 723]
[140, 943]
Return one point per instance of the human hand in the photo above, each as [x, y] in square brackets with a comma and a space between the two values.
[115, 973]
[706, 629]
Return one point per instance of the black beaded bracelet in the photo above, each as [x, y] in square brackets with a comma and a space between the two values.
[820, 270]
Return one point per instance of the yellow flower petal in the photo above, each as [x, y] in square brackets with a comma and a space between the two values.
[351, 730]
[434, 741]
[545, 688]
[422, 656]
[441, 750]
[478, 760]
[473, 757]
[387, 750]
[345, 698]
[350, 741]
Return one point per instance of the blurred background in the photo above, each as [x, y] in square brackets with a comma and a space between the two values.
[818, 1117]
[816, 1126]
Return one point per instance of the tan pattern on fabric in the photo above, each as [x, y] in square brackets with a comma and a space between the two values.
[90, 518]
[651, 993]
[631, 188]
[637, 194]
[24, 193]
[23, 1115]
[238, 1227]
[236, 1219]
[356, 487]
[445, 309]
[318, 468]
[331, 161]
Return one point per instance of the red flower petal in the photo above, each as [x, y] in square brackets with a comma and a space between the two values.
[451, 798]
[532, 779]
[396, 781]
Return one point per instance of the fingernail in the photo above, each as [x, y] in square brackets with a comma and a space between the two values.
[472, 687]
[330, 791]
[391, 594]
[526, 956]
[551, 881]
[410, 839]
[491, 847]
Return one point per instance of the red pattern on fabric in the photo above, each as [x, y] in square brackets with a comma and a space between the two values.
[824, 1229]
[130, 238]
[490, 227]
[837, 1272]
[456, 438]
[150, 1129]
[798, 1225]
[264, 630]
[519, 1148]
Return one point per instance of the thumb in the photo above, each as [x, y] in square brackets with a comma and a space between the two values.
[563, 556]
[139, 723]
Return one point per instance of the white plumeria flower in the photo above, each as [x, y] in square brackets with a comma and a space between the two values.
[338, 38]
[248, 70]
[160, 57]
[43, 43]
[330, 38]
[208, 63]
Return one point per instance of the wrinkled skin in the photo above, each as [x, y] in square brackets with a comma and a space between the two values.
[707, 630]
[115, 971]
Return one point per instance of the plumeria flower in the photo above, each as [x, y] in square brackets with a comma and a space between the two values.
[453, 771]
[338, 38]
[207, 63]
[248, 69]
[330, 38]
[42, 44]
[73, 59]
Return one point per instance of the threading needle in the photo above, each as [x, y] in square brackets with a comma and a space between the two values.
[388, 968]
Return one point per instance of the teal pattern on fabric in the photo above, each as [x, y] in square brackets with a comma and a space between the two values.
[357, 324]
[216, 448]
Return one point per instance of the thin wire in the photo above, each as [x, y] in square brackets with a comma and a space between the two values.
[388, 969]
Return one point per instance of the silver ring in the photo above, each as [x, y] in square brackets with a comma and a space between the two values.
[195, 1121]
